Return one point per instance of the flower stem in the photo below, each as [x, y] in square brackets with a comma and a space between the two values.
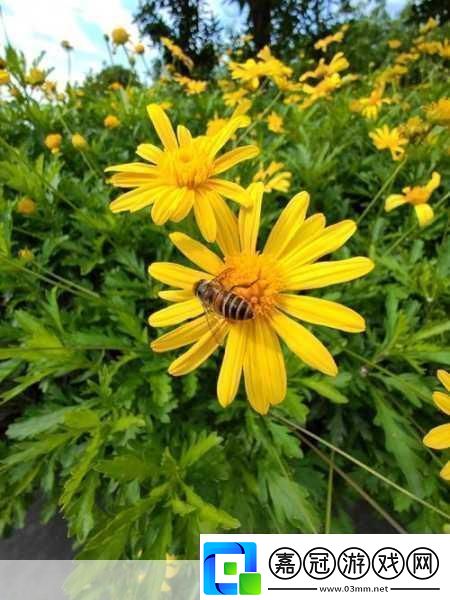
[296, 427]
[383, 188]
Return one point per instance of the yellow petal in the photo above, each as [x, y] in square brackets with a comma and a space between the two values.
[438, 438]
[231, 369]
[310, 277]
[183, 207]
[186, 334]
[331, 239]
[290, 220]
[434, 182]
[136, 167]
[264, 369]
[130, 180]
[249, 219]
[424, 214]
[205, 217]
[150, 152]
[175, 295]
[322, 312]
[304, 344]
[227, 226]
[442, 401]
[393, 201]
[184, 135]
[163, 208]
[135, 199]
[230, 190]
[444, 378]
[445, 471]
[225, 133]
[177, 275]
[310, 230]
[176, 313]
[199, 352]
[233, 157]
[197, 253]
[163, 126]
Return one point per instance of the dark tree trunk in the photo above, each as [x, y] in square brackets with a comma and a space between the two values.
[260, 16]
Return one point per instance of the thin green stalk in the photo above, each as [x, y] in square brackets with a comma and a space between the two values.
[329, 489]
[399, 488]
[53, 282]
[94, 170]
[381, 191]
[352, 483]
[259, 119]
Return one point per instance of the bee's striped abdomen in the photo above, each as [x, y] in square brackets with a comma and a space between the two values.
[233, 307]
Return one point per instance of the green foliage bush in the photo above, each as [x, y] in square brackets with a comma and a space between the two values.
[140, 463]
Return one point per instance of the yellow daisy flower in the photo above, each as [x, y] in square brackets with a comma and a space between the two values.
[274, 178]
[394, 44]
[120, 36]
[389, 139]
[79, 142]
[370, 106]
[111, 122]
[177, 53]
[418, 196]
[53, 142]
[267, 280]
[5, 77]
[26, 206]
[182, 176]
[338, 63]
[429, 25]
[439, 437]
[439, 111]
[275, 122]
[329, 39]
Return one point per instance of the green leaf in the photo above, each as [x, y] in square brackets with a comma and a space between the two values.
[401, 443]
[29, 451]
[210, 513]
[81, 469]
[122, 521]
[82, 419]
[325, 389]
[127, 467]
[198, 448]
[291, 504]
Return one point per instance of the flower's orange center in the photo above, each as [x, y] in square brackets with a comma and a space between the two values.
[190, 165]
[256, 278]
[417, 195]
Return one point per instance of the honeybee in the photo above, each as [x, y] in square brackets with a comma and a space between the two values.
[216, 298]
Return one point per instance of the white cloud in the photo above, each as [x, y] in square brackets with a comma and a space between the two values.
[36, 25]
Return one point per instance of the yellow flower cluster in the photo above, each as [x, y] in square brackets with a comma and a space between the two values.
[252, 71]
[331, 39]
[262, 285]
[177, 53]
[274, 178]
[192, 86]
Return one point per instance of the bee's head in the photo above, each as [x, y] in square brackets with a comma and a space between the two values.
[199, 287]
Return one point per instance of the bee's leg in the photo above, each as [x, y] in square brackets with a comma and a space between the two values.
[248, 285]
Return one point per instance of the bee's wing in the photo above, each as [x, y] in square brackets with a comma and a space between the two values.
[213, 321]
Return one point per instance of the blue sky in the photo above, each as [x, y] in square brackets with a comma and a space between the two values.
[36, 25]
